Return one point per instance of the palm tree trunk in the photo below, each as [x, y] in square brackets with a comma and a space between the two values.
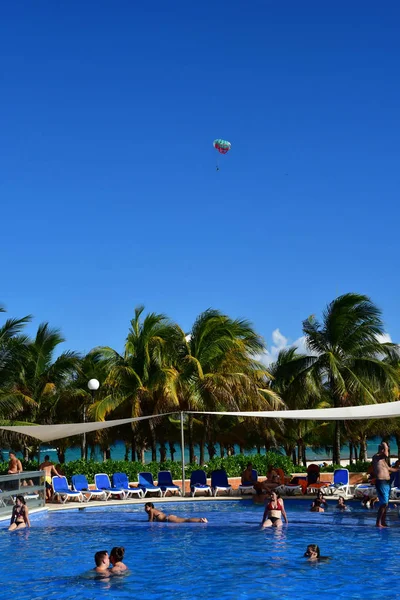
[397, 437]
[127, 448]
[172, 450]
[201, 448]
[304, 456]
[355, 453]
[258, 448]
[336, 445]
[133, 447]
[153, 441]
[294, 457]
[241, 449]
[211, 450]
[363, 448]
[221, 450]
[350, 453]
[163, 451]
[300, 445]
[141, 455]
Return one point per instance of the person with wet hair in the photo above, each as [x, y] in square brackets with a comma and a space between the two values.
[102, 561]
[319, 504]
[116, 557]
[313, 553]
[20, 515]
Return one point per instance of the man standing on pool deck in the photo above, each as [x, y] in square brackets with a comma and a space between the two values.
[382, 473]
[15, 465]
[49, 470]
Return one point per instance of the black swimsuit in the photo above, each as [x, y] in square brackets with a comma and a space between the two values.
[19, 515]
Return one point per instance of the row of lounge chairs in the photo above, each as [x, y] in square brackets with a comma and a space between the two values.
[120, 487]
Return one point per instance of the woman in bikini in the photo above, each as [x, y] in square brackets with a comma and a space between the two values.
[160, 517]
[20, 515]
[116, 558]
[274, 511]
[319, 504]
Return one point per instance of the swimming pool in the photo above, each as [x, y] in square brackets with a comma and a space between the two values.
[227, 558]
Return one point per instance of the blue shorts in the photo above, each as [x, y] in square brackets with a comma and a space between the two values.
[383, 490]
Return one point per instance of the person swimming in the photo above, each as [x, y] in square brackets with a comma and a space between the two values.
[274, 511]
[102, 561]
[341, 505]
[319, 504]
[160, 517]
[116, 557]
[313, 553]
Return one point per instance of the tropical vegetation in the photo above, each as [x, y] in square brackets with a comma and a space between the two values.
[217, 366]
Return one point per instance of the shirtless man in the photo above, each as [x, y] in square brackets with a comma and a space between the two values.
[247, 475]
[102, 561]
[382, 473]
[15, 465]
[49, 470]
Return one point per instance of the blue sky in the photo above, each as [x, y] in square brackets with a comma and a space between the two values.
[109, 193]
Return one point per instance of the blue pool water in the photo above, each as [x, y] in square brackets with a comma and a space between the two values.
[227, 558]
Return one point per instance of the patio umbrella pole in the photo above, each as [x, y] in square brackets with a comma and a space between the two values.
[183, 456]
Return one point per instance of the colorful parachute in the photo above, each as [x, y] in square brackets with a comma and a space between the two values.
[222, 146]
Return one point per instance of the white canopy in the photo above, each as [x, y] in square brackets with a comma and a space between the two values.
[48, 433]
[370, 411]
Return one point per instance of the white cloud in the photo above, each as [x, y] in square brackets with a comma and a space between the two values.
[281, 342]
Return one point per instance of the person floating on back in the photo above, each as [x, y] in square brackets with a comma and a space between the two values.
[160, 517]
[116, 558]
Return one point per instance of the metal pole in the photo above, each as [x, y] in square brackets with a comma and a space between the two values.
[183, 456]
[84, 435]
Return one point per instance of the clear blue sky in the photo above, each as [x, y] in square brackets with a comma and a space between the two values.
[109, 193]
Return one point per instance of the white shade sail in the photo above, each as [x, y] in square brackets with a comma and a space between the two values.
[49, 433]
[370, 411]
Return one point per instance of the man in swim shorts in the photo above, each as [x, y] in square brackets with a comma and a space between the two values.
[382, 473]
[49, 470]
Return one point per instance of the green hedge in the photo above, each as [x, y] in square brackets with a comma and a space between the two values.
[233, 465]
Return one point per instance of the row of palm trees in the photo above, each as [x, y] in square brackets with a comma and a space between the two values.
[217, 366]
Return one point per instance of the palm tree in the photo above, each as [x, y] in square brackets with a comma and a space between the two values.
[142, 380]
[347, 354]
[219, 371]
[39, 378]
[299, 389]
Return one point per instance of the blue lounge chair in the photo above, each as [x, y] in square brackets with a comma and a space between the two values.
[121, 481]
[198, 482]
[166, 484]
[248, 488]
[102, 482]
[61, 489]
[146, 484]
[219, 482]
[341, 483]
[80, 484]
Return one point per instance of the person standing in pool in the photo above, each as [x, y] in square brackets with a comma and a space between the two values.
[160, 517]
[116, 557]
[102, 561]
[382, 473]
[274, 511]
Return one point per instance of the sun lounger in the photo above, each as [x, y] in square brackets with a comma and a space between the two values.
[198, 482]
[341, 483]
[102, 482]
[146, 484]
[164, 480]
[248, 488]
[365, 489]
[80, 484]
[219, 482]
[121, 481]
[62, 490]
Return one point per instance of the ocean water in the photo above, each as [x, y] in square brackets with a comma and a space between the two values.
[118, 452]
[227, 558]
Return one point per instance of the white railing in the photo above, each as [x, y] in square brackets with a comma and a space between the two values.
[29, 484]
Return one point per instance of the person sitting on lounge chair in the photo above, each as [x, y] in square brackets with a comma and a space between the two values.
[272, 481]
[160, 517]
[116, 558]
[247, 475]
